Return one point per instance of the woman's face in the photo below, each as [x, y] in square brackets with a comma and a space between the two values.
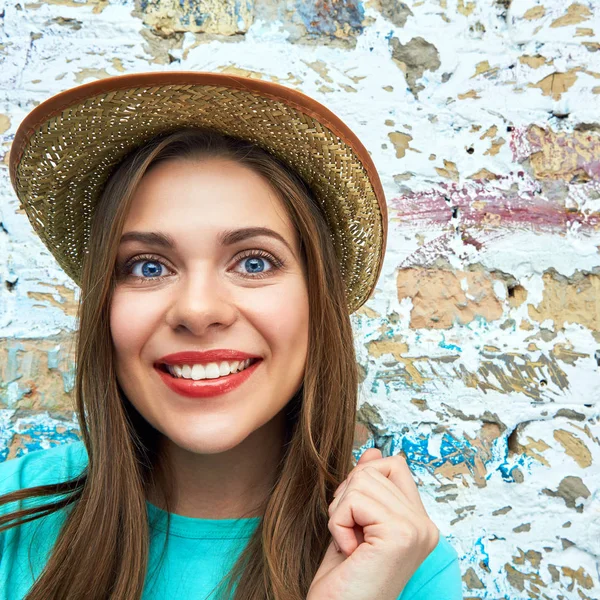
[209, 261]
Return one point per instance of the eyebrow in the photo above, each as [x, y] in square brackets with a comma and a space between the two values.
[226, 238]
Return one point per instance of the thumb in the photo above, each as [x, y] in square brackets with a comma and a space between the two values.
[370, 454]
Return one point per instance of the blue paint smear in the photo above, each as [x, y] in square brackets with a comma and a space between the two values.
[416, 449]
[453, 347]
[38, 435]
[452, 450]
[506, 472]
[450, 347]
[486, 557]
[522, 461]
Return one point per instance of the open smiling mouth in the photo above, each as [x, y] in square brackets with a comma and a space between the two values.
[212, 379]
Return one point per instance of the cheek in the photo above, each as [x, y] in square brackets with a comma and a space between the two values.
[132, 321]
[282, 317]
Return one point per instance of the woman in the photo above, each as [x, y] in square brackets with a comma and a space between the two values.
[221, 229]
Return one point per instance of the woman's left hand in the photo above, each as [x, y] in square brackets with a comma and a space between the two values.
[382, 530]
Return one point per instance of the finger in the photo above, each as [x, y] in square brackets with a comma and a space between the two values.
[405, 509]
[388, 485]
[368, 455]
[395, 468]
[366, 483]
[399, 493]
[356, 508]
[397, 521]
[373, 484]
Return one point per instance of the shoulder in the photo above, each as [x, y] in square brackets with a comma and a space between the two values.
[43, 467]
[25, 549]
[438, 576]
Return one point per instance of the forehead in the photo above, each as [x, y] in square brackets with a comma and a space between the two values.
[206, 195]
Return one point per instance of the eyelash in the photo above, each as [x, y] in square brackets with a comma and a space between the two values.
[276, 263]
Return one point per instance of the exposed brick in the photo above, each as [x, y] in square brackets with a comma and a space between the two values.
[441, 298]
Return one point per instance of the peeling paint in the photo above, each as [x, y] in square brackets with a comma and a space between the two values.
[442, 298]
[479, 350]
[575, 299]
[204, 16]
[414, 58]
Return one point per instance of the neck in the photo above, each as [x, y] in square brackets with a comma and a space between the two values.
[229, 485]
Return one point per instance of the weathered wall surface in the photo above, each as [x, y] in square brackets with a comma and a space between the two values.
[480, 349]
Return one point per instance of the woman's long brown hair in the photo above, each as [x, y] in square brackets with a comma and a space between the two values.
[103, 546]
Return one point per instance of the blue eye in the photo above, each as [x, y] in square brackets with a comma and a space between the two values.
[255, 264]
[154, 270]
[258, 263]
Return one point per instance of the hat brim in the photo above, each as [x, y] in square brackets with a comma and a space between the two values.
[67, 147]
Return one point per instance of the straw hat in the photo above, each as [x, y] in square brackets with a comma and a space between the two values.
[66, 148]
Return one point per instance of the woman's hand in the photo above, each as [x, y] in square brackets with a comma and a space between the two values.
[382, 530]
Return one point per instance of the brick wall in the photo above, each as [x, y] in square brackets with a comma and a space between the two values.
[480, 348]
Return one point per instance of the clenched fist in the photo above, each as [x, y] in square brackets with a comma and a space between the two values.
[381, 533]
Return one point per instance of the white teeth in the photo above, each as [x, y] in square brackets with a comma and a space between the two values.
[198, 372]
[209, 371]
[224, 369]
[212, 371]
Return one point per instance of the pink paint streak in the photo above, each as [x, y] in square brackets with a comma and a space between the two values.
[510, 202]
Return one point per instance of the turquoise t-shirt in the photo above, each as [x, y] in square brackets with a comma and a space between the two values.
[198, 553]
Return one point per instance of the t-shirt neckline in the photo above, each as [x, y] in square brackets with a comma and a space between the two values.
[190, 527]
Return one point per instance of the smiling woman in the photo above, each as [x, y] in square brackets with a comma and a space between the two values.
[216, 378]
[241, 294]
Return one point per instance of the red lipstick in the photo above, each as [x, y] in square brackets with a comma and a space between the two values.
[190, 357]
[205, 388]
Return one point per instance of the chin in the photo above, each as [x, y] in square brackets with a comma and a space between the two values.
[209, 443]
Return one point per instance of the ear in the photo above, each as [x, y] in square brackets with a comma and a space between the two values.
[369, 454]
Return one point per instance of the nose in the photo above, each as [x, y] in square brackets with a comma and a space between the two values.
[201, 304]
